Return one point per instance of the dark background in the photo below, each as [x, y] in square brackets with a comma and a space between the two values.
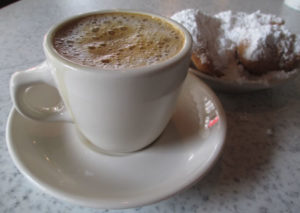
[3, 3]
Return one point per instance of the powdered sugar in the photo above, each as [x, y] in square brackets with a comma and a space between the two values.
[230, 40]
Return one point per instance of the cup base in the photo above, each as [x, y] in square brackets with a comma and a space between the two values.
[100, 150]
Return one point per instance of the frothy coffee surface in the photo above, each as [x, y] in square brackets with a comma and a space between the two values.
[118, 40]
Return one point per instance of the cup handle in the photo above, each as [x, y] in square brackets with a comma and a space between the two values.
[21, 81]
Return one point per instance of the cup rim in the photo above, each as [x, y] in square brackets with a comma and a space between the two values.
[185, 50]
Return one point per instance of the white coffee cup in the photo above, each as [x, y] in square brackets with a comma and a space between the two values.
[117, 111]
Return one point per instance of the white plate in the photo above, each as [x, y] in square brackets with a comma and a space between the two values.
[249, 85]
[54, 158]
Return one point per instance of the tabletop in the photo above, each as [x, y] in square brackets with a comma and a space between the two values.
[259, 169]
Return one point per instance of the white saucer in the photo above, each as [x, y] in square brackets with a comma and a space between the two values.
[250, 85]
[53, 157]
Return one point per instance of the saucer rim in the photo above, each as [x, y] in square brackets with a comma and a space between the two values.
[112, 204]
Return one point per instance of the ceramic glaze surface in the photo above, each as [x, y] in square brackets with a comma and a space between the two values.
[259, 168]
[121, 110]
[88, 176]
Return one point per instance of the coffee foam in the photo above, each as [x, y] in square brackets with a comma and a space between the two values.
[118, 40]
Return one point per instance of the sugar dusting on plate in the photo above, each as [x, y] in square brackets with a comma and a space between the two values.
[242, 47]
